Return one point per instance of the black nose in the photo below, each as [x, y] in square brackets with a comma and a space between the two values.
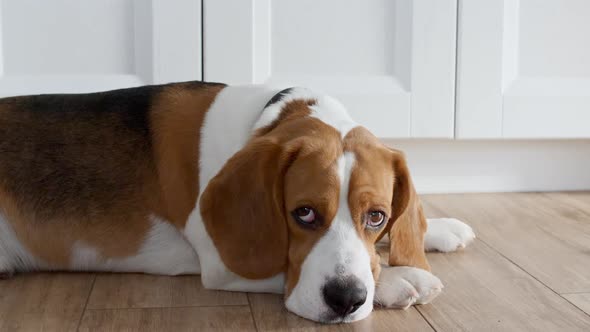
[344, 294]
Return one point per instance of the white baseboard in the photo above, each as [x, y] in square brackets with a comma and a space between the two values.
[458, 166]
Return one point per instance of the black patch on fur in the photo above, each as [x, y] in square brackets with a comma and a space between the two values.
[276, 98]
[78, 154]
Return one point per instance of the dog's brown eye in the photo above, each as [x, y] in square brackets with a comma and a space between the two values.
[305, 215]
[375, 218]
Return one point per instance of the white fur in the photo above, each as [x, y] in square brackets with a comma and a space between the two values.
[402, 286]
[164, 251]
[332, 112]
[327, 109]
[227, 127]
[273, 111]
[447, 235]
[14, 257]
[339, 252]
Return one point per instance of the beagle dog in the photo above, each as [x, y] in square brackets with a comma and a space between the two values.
[256, 190]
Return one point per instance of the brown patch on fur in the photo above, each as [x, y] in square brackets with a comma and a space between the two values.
[371, 186]
[316, 168]
[246, 207]
[51, 241]
[241, 209]
[177, 117]
[380, 180]
[407, 239]
[294, 109]
[83, 168]
[406, 236]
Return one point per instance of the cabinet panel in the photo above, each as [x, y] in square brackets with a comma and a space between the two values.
[73, 46]
[523, 69]
[390, 62]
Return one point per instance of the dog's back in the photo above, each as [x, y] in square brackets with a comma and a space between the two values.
[75, 155]
[82, 168]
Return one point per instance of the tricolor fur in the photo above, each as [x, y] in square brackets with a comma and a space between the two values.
[202, 178]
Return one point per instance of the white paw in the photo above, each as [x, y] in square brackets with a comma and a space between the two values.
[402, 286]
[447, 234]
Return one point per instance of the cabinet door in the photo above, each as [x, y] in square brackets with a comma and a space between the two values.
[523, 69]
[391, 62]
[80, 46]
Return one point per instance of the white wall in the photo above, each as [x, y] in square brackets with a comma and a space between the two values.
[450, 166]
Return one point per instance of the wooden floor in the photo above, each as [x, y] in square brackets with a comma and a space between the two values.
[528, 270]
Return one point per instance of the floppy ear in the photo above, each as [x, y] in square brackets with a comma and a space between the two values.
[242, 209]
[407, 225]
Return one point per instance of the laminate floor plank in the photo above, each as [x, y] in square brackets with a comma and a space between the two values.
[228, 318]
[548, 235]
[43, 301]
[119, 291]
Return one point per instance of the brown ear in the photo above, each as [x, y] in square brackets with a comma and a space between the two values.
[407, 224]
[242, 209]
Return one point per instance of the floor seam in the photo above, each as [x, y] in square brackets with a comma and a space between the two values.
[532, 276]
[252, 312]
[86, 303]
[425, 319]
[168, 307]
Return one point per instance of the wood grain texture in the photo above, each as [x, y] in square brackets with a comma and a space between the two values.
[270, 315]
[43, 302]
[580, 300]
[548, 235]
[529, 270]
[237, 318]
[115, 291]
[486, 292]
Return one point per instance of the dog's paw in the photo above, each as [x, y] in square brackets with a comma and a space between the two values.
[402, 286]
[447, 234]
[6, 275]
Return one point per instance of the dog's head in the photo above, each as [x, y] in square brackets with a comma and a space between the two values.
[309, 196]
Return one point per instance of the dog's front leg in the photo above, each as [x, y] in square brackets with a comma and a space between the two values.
[403, 286]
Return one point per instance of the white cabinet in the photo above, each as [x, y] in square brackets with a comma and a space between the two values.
[79, 46]
[523, 69]
[391, 62]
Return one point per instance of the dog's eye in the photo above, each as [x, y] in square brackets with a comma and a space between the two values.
[305, 215]
[375, 218]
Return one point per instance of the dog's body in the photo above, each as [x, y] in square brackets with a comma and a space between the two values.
[255, 189]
